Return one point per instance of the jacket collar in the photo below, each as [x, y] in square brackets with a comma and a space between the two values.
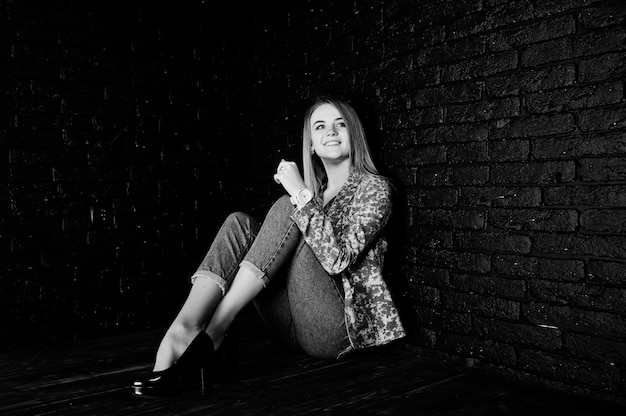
[345, 194]
[347, 190]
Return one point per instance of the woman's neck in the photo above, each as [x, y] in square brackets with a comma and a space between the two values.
[337, 175]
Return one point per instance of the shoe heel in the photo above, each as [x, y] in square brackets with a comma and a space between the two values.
[205, 381]
[202, 381]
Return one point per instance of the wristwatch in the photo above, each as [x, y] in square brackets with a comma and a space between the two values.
[301, 197]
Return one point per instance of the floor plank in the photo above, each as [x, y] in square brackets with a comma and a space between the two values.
[93, 378]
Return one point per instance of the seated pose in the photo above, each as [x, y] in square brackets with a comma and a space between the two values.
[313, 268]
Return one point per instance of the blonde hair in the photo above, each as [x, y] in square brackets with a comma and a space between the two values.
[314, 173]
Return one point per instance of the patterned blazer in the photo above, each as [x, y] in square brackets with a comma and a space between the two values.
[347, 237]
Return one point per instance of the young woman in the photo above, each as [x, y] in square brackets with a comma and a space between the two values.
[313, 269]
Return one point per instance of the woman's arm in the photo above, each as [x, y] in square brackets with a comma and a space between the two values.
[368, 212]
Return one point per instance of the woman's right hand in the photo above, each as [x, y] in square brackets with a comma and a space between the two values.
[288, 175]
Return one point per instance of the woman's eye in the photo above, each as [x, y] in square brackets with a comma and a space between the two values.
[341, 124]
[319, 127]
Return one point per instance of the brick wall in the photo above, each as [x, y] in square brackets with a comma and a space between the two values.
[504, 125]
[502, 122]
[115, 152]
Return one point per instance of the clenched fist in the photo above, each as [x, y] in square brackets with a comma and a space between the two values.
[288, 175]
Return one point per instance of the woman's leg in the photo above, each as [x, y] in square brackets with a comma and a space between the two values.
[274, 309]
[272, 249]
[307, 309]
[317, 307]
[197, 309]
[244, 288]
[211, 280]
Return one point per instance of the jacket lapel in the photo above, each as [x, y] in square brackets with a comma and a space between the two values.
[340, 205]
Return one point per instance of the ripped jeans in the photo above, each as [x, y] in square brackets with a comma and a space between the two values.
[302, 305]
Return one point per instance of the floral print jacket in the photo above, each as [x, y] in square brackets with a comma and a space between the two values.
[346, 237]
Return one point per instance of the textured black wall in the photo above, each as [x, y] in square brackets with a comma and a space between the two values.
[503, 123]
[117, 140]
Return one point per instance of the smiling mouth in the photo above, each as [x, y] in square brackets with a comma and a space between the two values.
[332, 143]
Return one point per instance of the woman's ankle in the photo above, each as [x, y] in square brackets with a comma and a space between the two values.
[217, 336]
[174, 343]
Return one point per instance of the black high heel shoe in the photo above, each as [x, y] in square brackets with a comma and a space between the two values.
[198, 355]
[226, 354]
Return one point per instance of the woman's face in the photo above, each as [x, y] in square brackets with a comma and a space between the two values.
[329, 134]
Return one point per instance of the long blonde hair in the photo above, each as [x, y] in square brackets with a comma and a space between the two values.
[314, 173]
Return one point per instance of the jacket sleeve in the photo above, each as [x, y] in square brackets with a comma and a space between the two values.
[367, 214]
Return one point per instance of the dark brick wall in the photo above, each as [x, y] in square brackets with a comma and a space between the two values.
[502, 122]
[119, 120]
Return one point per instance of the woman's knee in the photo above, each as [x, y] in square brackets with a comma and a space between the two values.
[237, 217]
[240, 220]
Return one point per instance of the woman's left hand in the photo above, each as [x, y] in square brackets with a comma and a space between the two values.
[288, 175]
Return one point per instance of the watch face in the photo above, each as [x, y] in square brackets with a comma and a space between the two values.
[304, 195]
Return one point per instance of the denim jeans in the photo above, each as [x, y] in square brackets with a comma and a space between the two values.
[302, 305]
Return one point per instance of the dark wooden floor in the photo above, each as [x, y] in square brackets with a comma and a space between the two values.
[93, 378]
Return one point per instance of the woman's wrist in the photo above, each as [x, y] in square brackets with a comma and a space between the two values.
[301, 197]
